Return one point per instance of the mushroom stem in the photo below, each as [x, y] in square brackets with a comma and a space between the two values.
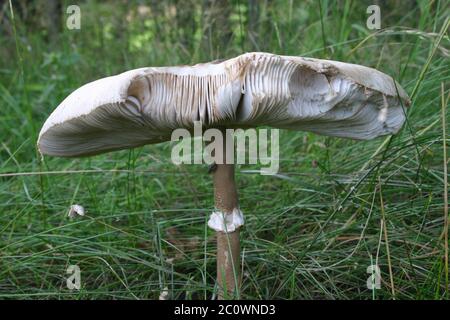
[228, 246]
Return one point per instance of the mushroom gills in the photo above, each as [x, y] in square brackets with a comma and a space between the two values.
[145, 105]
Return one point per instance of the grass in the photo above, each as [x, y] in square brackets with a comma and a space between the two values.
[337, 207]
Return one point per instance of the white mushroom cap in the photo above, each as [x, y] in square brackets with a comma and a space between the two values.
[145, 105]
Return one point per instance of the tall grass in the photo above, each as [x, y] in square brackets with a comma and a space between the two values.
[337, 206]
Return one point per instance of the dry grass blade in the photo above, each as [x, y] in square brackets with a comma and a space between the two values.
[386, 240]
[444, 146]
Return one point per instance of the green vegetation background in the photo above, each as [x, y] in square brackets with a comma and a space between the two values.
[311, 231]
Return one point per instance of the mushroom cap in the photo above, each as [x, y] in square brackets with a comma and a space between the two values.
[145, 105]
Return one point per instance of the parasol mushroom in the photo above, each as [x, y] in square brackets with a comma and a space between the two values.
[146, 105]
